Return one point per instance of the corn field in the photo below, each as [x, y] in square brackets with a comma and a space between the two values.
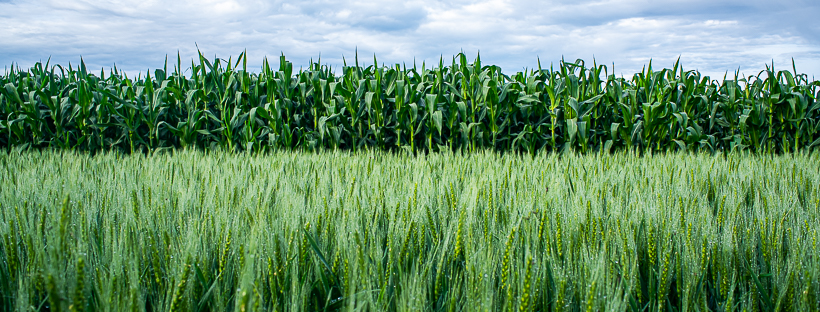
[458, 107]
[374, 231]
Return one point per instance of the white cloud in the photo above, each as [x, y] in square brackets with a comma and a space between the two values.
[713, 36]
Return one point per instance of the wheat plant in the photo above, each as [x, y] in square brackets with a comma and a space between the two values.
[373, 231]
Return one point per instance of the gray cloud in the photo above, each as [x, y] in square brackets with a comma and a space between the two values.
[713, 36]
[377, 16]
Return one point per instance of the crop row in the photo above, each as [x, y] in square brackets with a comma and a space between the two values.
[460, 106]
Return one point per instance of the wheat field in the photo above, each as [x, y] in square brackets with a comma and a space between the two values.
[372, 231]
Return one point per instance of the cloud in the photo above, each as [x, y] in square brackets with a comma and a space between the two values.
[713, 36]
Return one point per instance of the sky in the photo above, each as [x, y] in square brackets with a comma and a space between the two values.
[712, 36]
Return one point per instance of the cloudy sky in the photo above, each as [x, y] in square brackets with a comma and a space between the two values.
[713, 36]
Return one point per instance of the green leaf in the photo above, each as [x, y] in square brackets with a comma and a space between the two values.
[437, 121]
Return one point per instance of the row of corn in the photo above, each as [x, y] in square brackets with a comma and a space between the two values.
[460, 106]
[374, 231]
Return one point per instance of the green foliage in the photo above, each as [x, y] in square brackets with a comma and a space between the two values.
[458, 107]
[374, 231]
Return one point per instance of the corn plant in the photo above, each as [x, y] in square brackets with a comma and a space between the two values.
[458, 107]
